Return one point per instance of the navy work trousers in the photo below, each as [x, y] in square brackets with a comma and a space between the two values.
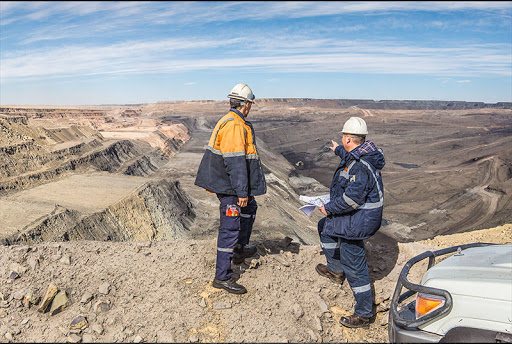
[349, 257]
[233, 230]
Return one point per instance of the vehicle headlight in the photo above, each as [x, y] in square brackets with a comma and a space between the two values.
[426, 303]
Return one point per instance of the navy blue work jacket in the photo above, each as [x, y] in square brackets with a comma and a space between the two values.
[356, 194]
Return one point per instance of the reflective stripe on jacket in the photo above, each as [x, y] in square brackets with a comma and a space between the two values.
[356, 195]
[231, 164]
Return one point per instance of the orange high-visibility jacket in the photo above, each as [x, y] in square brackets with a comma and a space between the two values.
[231, 164]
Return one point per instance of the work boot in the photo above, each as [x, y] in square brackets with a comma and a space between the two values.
[240, 252]
[323, 271]
[355, 321]
[230, 285]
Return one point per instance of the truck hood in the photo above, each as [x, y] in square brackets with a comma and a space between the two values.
[482, 272]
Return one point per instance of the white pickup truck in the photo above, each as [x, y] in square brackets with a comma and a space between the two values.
[467, 297]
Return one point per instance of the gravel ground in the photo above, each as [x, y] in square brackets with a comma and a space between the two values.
[161, 291]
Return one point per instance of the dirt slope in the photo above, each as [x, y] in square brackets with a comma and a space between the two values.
[161, 291]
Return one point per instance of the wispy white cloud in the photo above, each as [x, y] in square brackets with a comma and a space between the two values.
[47, 40]
[206, 11]
[261, 10]
[127, 57]
[11, 11]
[444, 80]
[76, 19]
[308, 56]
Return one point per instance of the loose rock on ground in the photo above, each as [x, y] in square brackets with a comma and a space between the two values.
[111, 293]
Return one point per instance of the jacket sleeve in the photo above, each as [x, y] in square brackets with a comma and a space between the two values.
[341, 152]
[355, 194]
[232, 147]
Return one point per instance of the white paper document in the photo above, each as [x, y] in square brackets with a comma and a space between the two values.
[313, 202]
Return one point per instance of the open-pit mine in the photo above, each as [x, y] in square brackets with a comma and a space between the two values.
[98, 204]
[126, 172]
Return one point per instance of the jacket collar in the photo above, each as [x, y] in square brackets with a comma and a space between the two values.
[365, 148]
[371, 154]
[238, 113]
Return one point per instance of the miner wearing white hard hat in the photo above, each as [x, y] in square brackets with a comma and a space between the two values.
[353, 214]
[231, 168]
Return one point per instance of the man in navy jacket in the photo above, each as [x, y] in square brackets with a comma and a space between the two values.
[354, 213]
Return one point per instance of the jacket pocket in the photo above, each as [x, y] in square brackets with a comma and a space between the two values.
[329, 226]
[372, 221]
[337, 225]
[254, 172]
[356, 226]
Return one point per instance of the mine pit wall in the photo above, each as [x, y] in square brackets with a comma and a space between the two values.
[160, 210]
[172, 138]
[48, 230]
[109, 159]
[19, 158]
[74, 132]
[15, 119]
[143, 167]
[26, 149]
[172, 146]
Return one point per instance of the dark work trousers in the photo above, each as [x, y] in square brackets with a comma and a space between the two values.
[232, 230]
[349, 256]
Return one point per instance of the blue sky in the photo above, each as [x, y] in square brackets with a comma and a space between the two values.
[86, 53]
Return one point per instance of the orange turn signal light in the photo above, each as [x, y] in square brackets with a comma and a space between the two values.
[426, 303]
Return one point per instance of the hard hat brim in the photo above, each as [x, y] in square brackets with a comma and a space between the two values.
[232, 96]
[346, 132]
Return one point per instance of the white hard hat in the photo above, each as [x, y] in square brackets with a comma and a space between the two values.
[242, 92]
[355, 125]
